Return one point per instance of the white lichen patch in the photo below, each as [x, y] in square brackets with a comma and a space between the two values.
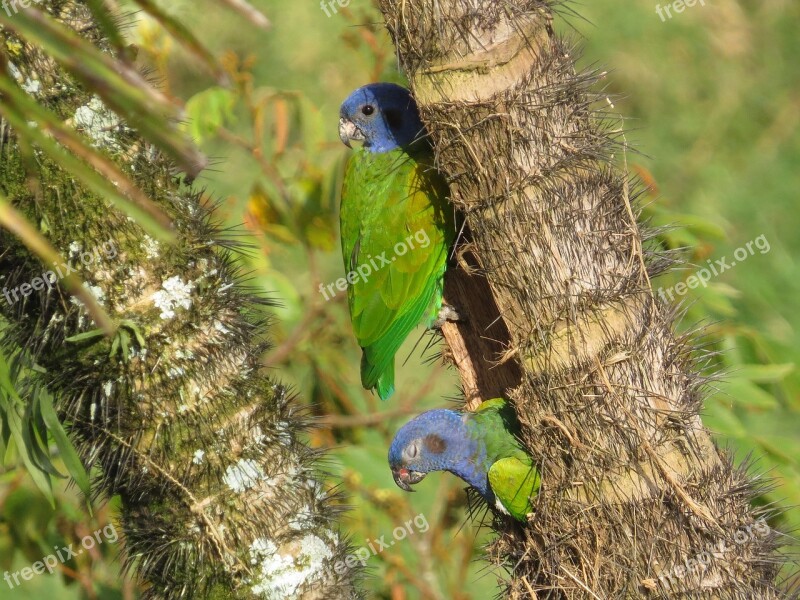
[98, 123]
[108, 387]
[283, 574]
[319, 491]
[150, 246]
[75, 249]
[258, 435]
[198, 456]
[242, 476]
[32, 86]
[97, 292]
[175, 372]
[94, 290]
[203, 265]
[15, 72]
[220, 327]
[284, 434]
[303, 521]
[174, 293]
[331, 535]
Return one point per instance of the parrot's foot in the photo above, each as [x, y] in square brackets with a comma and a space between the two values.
[447, 313]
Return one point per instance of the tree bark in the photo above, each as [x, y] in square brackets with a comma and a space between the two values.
[220, 497]
[636, 501]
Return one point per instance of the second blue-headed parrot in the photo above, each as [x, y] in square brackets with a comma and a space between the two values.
[480, 447]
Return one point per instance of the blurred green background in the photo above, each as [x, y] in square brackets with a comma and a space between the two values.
[711, 104]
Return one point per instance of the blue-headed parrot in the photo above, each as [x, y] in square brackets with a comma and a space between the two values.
[397, 226]
[480, 447]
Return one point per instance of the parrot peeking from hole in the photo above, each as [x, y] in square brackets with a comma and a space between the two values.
[396, 226]
[479, 447]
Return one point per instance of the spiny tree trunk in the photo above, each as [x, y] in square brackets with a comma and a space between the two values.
[634, 489]
[220, 497]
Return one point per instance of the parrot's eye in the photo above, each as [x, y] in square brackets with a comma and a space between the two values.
[411, 451]
[368, 109]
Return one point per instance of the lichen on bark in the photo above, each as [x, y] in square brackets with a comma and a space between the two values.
[220, 496]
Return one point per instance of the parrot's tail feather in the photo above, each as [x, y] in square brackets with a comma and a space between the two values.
[386, 383]
[372, 379]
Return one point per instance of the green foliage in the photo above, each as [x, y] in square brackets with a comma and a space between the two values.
[715, 104]
[26, 426]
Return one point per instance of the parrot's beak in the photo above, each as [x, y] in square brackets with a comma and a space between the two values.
[405, 478]
[349, 132]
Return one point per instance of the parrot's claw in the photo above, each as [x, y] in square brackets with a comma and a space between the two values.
[447, 314]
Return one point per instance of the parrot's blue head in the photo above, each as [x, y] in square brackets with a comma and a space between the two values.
[436, 440]
[382, 115]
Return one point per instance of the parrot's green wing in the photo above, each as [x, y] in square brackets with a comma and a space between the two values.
[495, 404]
[512, 474]
[396, 231]
[514, 482]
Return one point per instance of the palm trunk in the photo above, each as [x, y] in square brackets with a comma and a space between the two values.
[220, 497]
[637, 500]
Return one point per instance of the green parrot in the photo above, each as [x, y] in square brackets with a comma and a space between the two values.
[480, 447]
[396, 226]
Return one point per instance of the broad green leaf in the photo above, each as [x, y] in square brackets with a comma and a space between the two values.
[36, 438]
[18, 434]
[68, 454]
[207, 111]
[717, 299]
[720, 419]
[764, 373]
[742, 392]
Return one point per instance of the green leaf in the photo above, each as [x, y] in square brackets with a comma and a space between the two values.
[41, 479]
[70, 457]
[744, 393]
[35, 432]
[209, 110]
[764, 373]
[720, 419]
